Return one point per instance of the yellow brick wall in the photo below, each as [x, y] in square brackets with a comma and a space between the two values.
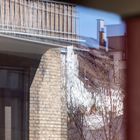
[47, 113]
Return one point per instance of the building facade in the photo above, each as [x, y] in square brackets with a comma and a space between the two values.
[32, 33]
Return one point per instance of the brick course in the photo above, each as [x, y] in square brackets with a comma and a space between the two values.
[47, 113]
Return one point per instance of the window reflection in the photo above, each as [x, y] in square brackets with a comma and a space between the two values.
[10, 79]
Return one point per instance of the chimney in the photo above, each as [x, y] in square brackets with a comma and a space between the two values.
[101, 34]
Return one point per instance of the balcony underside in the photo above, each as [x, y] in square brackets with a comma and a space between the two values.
[28, 45]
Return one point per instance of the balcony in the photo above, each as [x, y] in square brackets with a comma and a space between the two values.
[43, 21]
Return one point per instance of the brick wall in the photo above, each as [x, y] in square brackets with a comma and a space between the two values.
[47, 114]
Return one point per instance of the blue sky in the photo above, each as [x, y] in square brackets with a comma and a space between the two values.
[87, 23]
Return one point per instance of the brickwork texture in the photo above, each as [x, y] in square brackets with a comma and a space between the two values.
[47, 113]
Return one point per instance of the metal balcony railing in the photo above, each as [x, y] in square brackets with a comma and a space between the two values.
[38, 18]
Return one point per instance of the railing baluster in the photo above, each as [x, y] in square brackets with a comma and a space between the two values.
[37, 17]
[20, 17]
[4, 14]
[24, 9]
[28, 15]
[43, 18]
[0, 14]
